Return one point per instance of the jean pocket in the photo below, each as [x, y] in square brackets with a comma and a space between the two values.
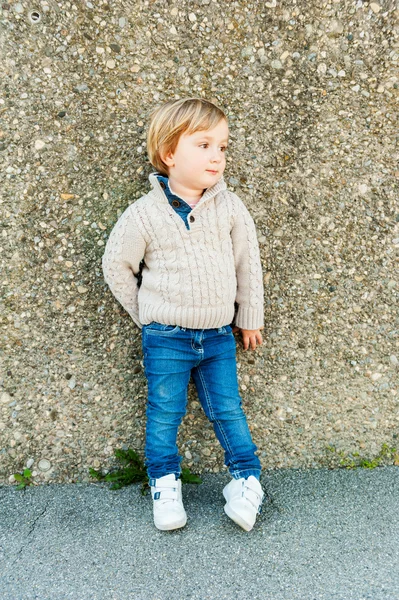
[155, 328]
[227, 329]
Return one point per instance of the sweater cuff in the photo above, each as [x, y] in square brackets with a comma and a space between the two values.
[249, 318]
[135, 318]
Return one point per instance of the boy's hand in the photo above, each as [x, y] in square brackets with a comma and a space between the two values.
[250, 336]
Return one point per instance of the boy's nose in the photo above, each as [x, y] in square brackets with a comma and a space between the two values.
[216, 157]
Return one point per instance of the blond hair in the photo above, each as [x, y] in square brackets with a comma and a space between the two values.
[173, 118]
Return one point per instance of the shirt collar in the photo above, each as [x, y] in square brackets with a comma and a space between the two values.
[156, 178]
[167, 189]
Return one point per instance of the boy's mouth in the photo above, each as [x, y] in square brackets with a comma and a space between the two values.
[213, 172]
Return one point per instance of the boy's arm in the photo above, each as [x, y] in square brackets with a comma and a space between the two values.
[124, 250]
[250, 292]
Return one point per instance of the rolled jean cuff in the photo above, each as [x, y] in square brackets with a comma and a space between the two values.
[246, 473]
[162, 474]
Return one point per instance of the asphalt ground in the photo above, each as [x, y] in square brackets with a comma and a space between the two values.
[322, 535]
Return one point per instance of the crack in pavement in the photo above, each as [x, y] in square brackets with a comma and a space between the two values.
[31, 530]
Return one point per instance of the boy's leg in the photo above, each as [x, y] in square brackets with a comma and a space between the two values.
[167, 366]
[217, 386]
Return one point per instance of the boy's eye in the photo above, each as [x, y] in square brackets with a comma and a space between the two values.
[224, 148]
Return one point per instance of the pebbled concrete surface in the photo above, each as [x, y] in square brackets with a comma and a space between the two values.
[310, 89]
[323, 535]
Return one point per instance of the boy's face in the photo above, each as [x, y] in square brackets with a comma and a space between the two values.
[199, 159]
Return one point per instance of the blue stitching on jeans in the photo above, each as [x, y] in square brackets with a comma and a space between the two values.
[213, 414]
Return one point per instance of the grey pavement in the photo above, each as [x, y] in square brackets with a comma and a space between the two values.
[323, 535]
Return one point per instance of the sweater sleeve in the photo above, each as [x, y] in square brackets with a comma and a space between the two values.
[250, 292]
[124, 250]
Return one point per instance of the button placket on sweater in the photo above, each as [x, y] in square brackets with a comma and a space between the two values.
[178, 204]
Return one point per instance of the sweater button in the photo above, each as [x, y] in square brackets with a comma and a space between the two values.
[192, 219]
[175, 203]
[161, 183]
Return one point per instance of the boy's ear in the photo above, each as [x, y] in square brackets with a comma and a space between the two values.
[168, 159]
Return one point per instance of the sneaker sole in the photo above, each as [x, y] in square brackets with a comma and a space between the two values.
[236, 518]
[171, 526]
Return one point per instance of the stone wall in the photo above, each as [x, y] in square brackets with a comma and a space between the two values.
[311, 93]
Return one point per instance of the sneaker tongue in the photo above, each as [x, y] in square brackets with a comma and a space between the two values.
[253, 484]
[160, 481]
[166, 483]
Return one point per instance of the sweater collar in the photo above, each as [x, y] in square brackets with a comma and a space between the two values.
[209, 192]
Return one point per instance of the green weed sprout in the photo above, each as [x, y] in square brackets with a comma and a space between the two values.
[134, 471]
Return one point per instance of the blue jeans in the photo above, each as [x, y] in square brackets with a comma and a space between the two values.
[171, 354]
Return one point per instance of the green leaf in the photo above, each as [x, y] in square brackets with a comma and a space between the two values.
[145, 488]
[18, 477]
[188, 477]
[113, 476]
[27, 473]
[96, 474]
[116, 486]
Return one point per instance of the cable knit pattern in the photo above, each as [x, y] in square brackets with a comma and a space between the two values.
[248, 264]
[118, 269]
[191, 277]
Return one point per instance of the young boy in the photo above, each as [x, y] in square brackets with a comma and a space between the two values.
[201, 259]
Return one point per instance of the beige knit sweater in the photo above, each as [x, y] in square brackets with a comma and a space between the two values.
[190, 277]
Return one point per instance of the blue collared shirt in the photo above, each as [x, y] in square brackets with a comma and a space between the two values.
[177, 203]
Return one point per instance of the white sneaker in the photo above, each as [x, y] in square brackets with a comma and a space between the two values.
[244, 500]
[169, 511]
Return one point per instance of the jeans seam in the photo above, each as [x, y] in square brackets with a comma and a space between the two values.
[162, 331]
[199, 351]
[213, 414]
